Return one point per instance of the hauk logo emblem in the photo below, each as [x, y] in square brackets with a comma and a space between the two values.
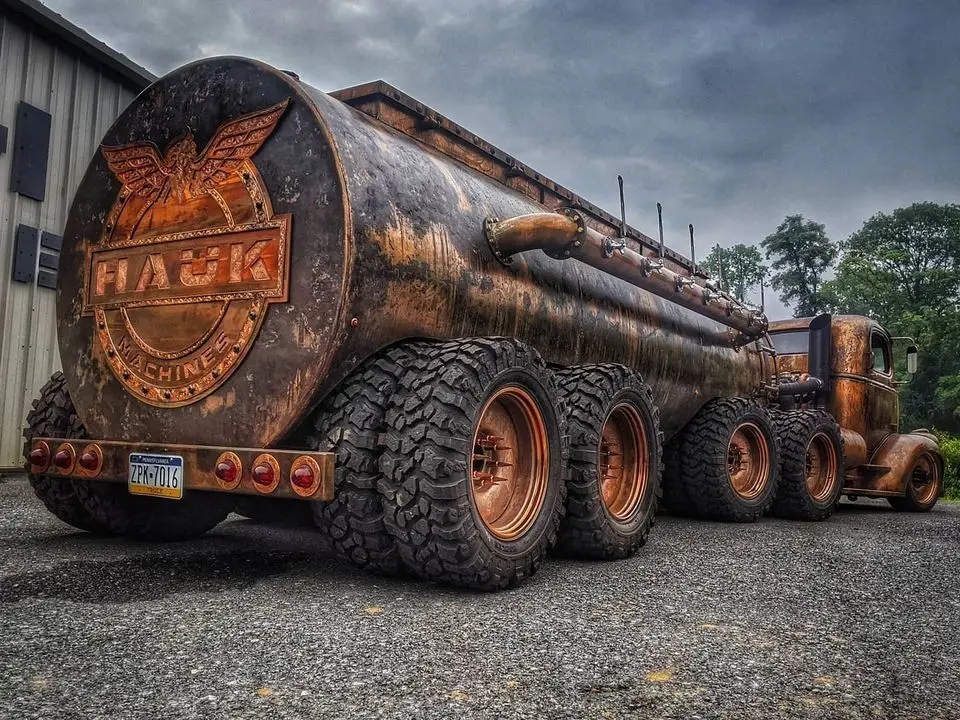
[190, 256]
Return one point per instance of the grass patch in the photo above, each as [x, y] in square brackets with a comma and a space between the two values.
[950, 447]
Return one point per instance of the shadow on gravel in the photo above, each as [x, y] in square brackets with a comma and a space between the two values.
[149, 577]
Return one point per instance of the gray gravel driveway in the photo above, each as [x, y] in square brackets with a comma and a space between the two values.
[853, 618]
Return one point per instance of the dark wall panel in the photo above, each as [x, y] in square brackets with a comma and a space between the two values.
[31, 148]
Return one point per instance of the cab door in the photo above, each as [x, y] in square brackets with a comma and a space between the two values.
[882, 406]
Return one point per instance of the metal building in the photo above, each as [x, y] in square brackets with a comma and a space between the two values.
[60, 90]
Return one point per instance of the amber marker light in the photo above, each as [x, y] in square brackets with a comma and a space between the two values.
[228, 470]
[305, 476]
[265, 473]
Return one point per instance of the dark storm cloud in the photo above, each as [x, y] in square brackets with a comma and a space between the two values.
[731, 113]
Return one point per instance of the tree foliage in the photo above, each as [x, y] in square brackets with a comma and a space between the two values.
[742, 265]
[801, 253]
[903, 270]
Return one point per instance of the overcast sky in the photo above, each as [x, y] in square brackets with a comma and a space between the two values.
[732, 114]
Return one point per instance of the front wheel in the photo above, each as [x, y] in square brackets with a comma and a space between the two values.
[924, 485]
[474, 464]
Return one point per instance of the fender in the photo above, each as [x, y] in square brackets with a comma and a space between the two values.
[886, 474]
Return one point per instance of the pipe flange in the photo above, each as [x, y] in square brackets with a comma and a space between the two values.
[490, 224]
[567, 250]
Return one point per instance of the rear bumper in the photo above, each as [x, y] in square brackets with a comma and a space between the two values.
[112, 463]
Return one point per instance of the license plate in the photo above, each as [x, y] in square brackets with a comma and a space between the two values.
[156, 475]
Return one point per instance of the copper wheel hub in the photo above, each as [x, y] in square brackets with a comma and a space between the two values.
[748, 461]
[622, 462]
[820, 467]
[511, 460]
[925, 479]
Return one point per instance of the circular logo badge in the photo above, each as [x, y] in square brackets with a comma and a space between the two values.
[190, 256]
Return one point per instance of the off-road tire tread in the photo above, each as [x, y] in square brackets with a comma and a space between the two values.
[794, 430]
[587, 392]
[702, 450]
[675, 499]
[153, 519]
[426, 500]
[349, 423]
[53, 415]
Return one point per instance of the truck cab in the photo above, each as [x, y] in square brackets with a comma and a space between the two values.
[861, 393]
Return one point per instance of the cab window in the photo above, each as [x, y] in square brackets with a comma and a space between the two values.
[880, 350]
[791, 343]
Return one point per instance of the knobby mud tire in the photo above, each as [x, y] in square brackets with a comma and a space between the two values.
[703, 461]
[53, 415]
[349, 423]
[795, 430]
[274, 511]
[428, 469]
[675, 499]
[589, 394]
[153, 519]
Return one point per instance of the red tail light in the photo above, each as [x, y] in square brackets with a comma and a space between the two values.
[228, 470]
[265, 473]
[305, 476]
[39, 456]
[65, 458]
[88, 461]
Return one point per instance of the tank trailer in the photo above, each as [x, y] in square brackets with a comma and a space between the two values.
[273, 299]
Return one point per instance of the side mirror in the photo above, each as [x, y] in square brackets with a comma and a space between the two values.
[912, 358]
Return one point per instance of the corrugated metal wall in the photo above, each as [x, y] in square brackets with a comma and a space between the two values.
[83, 103]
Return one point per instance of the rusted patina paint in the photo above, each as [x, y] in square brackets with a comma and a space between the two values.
[386, 243]
[865, 403]
[199, 466]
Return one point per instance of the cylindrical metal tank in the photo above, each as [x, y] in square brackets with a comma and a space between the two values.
[242, 241]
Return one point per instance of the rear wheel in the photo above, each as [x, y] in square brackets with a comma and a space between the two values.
[53, 415]
[811, 465]
[147, 518]
[473, 462]
[728, 461]
[924, 485]
[615, 465]
[349, 423]
[675, 498]
[274, 511]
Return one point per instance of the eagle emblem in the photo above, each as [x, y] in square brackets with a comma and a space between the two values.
[182, 171]
[177, 295]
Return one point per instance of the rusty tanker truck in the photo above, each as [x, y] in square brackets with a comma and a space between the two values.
[272, 298]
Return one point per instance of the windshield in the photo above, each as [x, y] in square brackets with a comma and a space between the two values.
[791, 343]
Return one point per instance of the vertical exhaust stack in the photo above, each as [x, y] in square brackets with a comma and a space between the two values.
[818, 356]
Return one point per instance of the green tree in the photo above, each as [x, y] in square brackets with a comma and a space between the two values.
[903, 270]
[801, 253]
[742, 265]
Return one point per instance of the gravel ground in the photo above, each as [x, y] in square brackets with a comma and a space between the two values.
[853, 618]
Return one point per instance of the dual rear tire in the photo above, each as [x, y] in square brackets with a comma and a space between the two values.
[452, 462]
[725, 463]
[105, 508]
[736, 462]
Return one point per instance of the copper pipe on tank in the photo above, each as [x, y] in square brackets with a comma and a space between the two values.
[566, 235]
